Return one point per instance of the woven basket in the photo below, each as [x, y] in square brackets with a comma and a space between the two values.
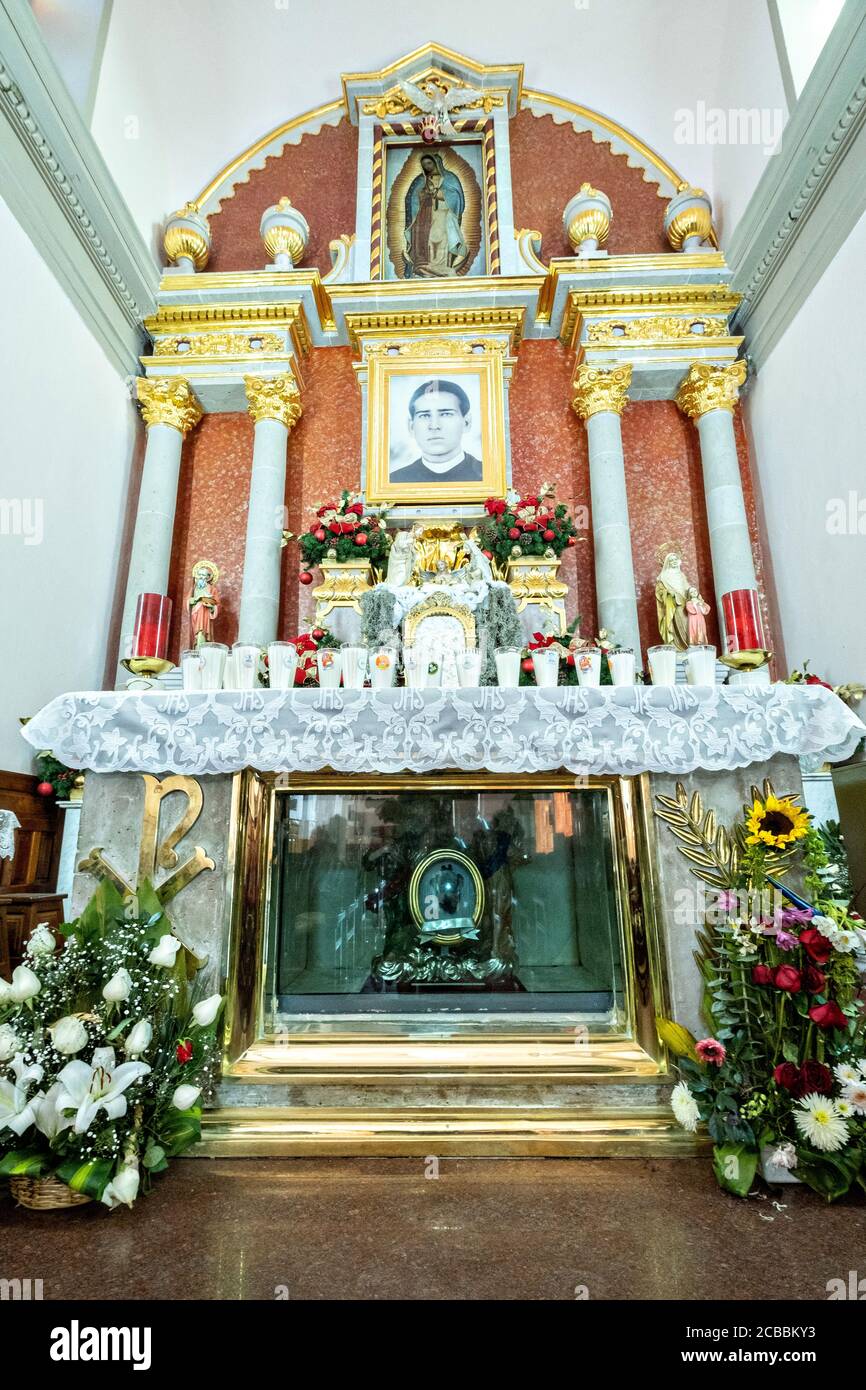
[45, 1194]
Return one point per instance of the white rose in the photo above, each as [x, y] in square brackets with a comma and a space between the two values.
[41, 942]
[185, 1096]
[123, 1188]
[10, 1043]
[165, 951]
[138, 1038]
[205, 1012]
[24, 984]
[5, 990]
[68, 1034]
[118, 987]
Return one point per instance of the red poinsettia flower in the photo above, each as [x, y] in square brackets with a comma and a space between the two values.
[828, 1015]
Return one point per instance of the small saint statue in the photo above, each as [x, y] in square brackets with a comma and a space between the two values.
[401, 560]
[697, 610]
[203, 602]
[672, 593]
[479, 567]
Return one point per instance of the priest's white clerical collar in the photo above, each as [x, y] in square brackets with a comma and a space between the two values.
[445, 467]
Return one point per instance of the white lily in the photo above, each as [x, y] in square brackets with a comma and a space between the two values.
[49, 1120]
[41, 941]
[10, 1043]
[138, 1038]
[123, 1188]
[87, 1089]
[5, 990]
[165, 951]
[68, 1035]
[206, 1011]
[185, 1096]
[118, 987]
[24, 984]
[17, 1110]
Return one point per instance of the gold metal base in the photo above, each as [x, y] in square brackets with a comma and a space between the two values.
[454, 1132]
[747, 660]
[147, 665]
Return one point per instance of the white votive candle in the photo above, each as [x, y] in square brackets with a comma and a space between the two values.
[213, 664]
[587, 661]
[383, 666]
[469, 668]
[621, 665]
[191, 669]
[282, 665]
[701, 665]
[546, 666]
[329, 664]
[508, 666]
[354, 667]
[663, 664]
[246, 658]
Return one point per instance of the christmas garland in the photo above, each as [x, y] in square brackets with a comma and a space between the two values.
[532, 526]
[344, 530]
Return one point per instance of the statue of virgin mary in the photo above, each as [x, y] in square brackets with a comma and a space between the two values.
[672, 593]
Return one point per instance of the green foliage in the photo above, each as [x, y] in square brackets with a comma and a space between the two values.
[735, 1166]
[61, 777]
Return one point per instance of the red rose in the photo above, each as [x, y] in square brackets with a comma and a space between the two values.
[814, 980]
[828, 1016]
[514, 534]
[305, 577]
[762, 975]
[361, 538]
[816, 1079]
[334, 527]
[816, 946]
[183, 1051]
[788, 978]
[549, 536]
[787, 1075]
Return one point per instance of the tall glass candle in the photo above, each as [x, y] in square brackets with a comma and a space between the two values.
[152, 622]
[744, 626]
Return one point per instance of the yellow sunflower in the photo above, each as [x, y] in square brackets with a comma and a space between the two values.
[776, 822]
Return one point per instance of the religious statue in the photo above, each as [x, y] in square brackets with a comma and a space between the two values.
[401, 560]
[434, 243]
[479, 567]
[203, 602]
[438, 549]
[672, 593]
[697, 610]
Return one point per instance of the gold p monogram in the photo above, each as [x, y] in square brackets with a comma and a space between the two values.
[154, 853]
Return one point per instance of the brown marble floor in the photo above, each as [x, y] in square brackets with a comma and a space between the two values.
[484, 1229]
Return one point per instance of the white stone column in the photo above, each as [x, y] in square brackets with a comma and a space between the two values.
[275, 405]
[170, 411]
[599, 399]
[708, 395]
[68, 848]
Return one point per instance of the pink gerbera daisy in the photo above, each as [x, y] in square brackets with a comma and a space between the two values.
[712, 1051]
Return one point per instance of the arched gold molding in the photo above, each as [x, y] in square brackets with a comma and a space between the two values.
[318, 114]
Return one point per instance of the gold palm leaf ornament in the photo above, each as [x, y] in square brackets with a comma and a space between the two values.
[715, 851]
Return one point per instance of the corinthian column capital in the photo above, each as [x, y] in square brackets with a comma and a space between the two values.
[707, 387]
[168, 400]
[596, 389]
[274, 398]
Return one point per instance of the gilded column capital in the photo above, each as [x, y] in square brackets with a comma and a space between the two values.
[274, 398]
[708, 387]
[599, 388]
[168, 400]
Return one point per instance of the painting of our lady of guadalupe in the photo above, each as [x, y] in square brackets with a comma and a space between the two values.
[433, 212]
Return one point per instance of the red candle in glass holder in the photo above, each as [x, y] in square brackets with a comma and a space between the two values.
[744, 626]
[152, 622]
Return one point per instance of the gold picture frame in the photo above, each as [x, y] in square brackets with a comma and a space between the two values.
[397, 371]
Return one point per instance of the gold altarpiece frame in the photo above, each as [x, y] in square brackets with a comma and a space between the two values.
[396, 1050]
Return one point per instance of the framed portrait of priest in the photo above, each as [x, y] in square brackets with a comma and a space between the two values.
[436, 423]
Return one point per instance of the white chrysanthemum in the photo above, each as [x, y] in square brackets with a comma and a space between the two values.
[845, 941]
[825, 925]
[845, 1072]
[685, 1107]
[819, 1122]
[855, 1093]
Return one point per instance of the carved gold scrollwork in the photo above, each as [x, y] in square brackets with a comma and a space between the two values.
[153, 852]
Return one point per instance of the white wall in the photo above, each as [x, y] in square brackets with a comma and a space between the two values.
[806, 26]
[807, 414]
[185, 88]
[66, 437]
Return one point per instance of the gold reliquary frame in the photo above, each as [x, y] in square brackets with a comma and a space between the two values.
[435, 607]
[480, 366]
[395, 1049]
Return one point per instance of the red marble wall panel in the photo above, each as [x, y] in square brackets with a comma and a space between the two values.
[548, 444]
[319, 174]
[211, 518]
[549, 162]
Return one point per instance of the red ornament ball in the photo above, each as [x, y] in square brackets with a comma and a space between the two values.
[318, 633]
[571, 540]
[488, 554]
[45, 789]
[320, 533]
[527, 665]
[548, 536]
[514, 534]
[361, 538]
[305, 577]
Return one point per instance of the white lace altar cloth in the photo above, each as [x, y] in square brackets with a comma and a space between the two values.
[468, 594]
[9, 823]
[619, 731]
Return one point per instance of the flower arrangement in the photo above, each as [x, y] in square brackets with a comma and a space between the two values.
[532, 525]
[569, 645]
[120, 987]
[307, 644]
[852, 692]
[344, 530]
[781, 1079]
[55, 778]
